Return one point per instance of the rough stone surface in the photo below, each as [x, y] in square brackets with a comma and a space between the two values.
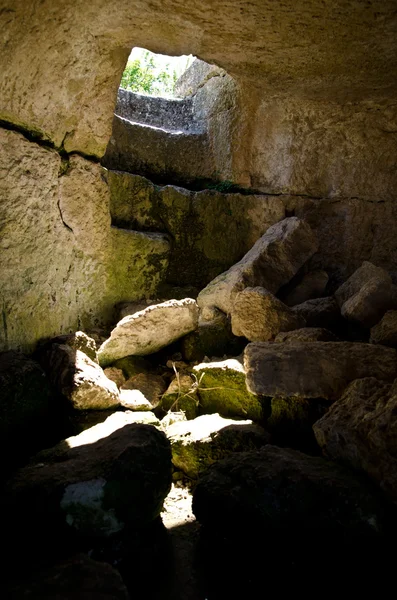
[78, 379]
[273, 260]
[159, 154]
[170, 114]
[109, 477]
[307, 334]
[66, 266]
[277, 489]
[78, 341]
[134, 400]
[150, 330]
[312, 285]
[212, 338]
[150, 385]
[115, 375]
[210, 230]
[77, 577]
[195, 76]
[133, 365]
[370, 303]
[385, 332]
[199, 443]
[222, 389]
[259, 316]
[24, 406]
[181, 395]
[366, 273]
[360, 430]
[320, 312]
[314, 369]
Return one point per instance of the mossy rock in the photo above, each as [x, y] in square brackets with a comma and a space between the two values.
[181, 396]
[222, 389]
[199, 443]
[133, 365]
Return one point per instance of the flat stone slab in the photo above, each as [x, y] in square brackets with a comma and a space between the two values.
[273, 260]
[314, 369]
[150, 330]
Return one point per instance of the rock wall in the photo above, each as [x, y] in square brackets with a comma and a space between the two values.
[308, 108]
[62, 265]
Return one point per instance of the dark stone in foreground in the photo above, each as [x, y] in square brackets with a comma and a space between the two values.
[77, 578]
[280, 519]
[107, 479]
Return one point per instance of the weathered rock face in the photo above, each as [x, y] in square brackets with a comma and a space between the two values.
[66, 266]
[212, 338]
[370, 303]
[150, 385]
[365, 274]
[259, 316]
[360, 430]
[312, 285]
[222, 389]
[199, 443]
[385, 332]
[150, 330]
[307, 334]
[109, 477]
[78, 341]
[78, 379]
[181, 395]
[273, 260]
[210, 230]
[320, 312]
[314, 369]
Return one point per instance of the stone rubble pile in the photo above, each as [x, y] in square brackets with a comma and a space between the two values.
[195, 391]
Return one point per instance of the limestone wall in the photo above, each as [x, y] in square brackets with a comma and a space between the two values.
[309, 109]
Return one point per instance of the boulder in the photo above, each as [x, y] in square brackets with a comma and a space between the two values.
[115, 375]
[78, 379]
[259, 316]
[370, 303]
[360, 277]
[320, 312]
[78, 341]
[273, 260]
[181, 395]
[279, 489]
[110, 477]
[306, 334]
[25, 405]
[76, 577]
[150, 385]
[198, 443]
[134, 400]
[312, 285]
[222, 389]
[385, 332]
[150, 330]
[275, 507]
[213, 337]
[314, 369]
[360, 430]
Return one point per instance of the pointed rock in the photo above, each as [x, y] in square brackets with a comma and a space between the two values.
[272, 262]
